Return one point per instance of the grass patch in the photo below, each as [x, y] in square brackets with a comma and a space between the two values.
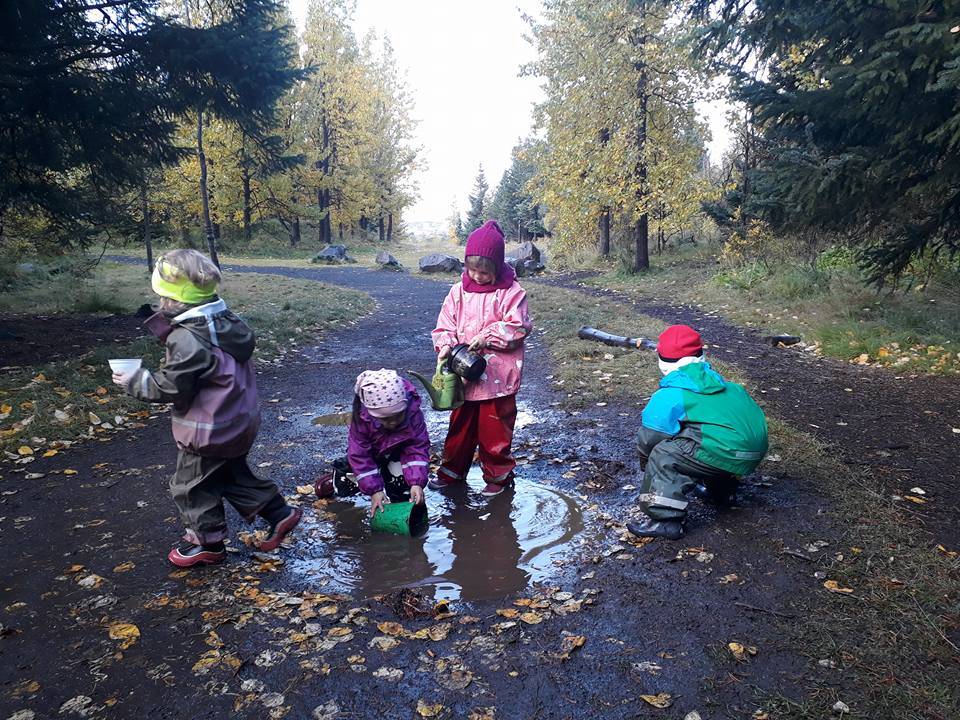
[910, 330]
[50, 404]
[893, 639]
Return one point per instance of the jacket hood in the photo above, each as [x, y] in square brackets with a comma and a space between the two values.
[696, 377]
[215, 324]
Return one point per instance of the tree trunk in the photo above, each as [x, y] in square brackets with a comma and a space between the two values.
[295, 232]
[641, 235]
[247, 233]
[389, 227]
[381, 230]
[147, 241]
[605, 232]
[204, 193]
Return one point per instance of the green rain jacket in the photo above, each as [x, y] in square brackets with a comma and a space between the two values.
[695, 402]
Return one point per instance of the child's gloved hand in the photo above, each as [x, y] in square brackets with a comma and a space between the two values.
[121, 378]
[377, 501]
[478, 343]
[416, 495]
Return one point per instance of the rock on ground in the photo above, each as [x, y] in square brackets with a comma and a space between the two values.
[333, 255]
[440, 263]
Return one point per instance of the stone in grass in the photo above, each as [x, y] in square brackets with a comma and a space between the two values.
[440, 263]
[526, 259]
[386, 261]
[333, 255]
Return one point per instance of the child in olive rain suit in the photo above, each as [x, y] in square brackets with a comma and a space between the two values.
[209, 377]
[698, 433]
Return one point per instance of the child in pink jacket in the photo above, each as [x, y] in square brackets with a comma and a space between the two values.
[487, 310]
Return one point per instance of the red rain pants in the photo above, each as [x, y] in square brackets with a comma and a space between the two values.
[489, 424]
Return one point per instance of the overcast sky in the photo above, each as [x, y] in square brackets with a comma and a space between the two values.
[462, 59]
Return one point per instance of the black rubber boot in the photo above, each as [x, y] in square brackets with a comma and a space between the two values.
[648, 527]
[704, 493]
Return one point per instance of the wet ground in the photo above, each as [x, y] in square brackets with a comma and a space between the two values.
[552, 611]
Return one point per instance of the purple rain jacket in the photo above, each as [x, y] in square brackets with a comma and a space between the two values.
[368, 441]
[209, 377]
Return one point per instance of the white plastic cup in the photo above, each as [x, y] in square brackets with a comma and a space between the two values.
[125, 366]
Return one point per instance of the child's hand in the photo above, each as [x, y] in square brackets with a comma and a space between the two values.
[444, 353]
[377, 501]
[478, 343]
[121, 378]
[416, 495]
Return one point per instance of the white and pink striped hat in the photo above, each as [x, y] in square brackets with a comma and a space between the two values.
[381, 392]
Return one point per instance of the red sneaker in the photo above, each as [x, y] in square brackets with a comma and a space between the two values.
[324, 486]
[186, 554]
[279, 531]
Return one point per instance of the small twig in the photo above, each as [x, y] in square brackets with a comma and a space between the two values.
[796, 554]
[929, 619]
[745, 606]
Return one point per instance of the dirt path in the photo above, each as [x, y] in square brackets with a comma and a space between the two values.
[900, 428]
[274, 636]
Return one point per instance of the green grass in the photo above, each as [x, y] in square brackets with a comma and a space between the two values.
[911, 330]
[889, 638]
[284, 312]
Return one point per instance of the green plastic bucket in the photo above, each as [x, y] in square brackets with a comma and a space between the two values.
[400, 518]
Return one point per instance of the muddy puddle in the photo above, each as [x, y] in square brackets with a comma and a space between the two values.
[473, 548]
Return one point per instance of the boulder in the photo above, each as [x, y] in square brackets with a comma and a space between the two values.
[526, 259]
[440, 263]
[386, 261]
[333, 255]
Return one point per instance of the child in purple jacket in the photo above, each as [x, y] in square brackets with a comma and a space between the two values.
[388, 442]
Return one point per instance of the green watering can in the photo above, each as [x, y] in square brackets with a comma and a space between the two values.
[400, 518]
[445, 389]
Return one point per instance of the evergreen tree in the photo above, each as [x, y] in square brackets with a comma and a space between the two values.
[92, 93]
[859, 112]
[477, 213]
[513, 204]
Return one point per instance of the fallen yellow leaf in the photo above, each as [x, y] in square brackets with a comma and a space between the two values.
[101, 390]
[948, 553]
[25, 450]
[834, 586]
[69, 471]
[305, 489]
[339, 631]
[206, 661]
[124, 567]
[125, 632]
[531, 618]
[914, 499]
[439, 632]
[6, 409]
[390, 628]
[508, 612]
[50, 453]
[428, 711]
[660, 700]
[741, 651]
[569, 644]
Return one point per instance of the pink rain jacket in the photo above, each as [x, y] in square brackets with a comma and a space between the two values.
[501, 318]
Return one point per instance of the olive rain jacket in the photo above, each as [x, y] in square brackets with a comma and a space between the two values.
[209, 377]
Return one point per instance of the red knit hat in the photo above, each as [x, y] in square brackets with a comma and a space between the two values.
[679, 341]
[487, 241]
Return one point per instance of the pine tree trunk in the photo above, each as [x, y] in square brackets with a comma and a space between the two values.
[295, 232]
[605, 232]
[389, 227]
[641, 235]
[147, 240]
[247, 233]
[204, 193]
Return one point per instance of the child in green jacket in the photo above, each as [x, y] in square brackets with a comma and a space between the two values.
[698, 433]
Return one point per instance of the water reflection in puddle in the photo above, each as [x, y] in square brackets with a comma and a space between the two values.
[475, 547]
